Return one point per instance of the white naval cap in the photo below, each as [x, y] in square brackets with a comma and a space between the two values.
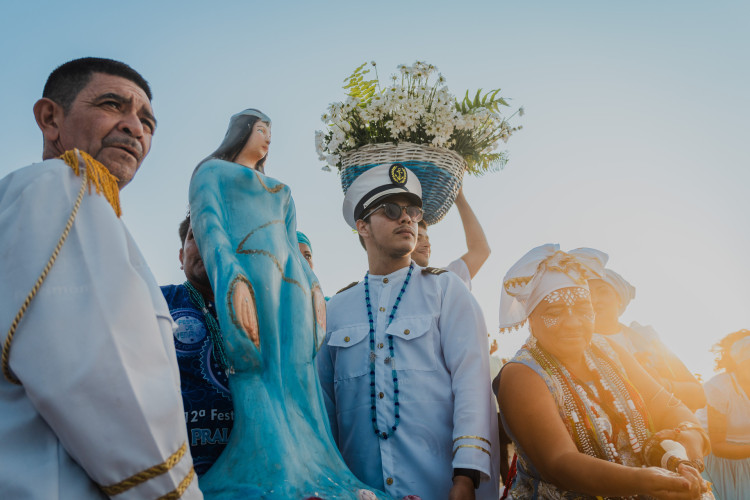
[377, 183]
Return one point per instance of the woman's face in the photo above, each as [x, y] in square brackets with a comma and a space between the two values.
[563, 322]
[256, 146]
[605, 300]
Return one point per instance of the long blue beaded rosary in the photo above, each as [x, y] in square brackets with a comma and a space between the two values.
[373, 414]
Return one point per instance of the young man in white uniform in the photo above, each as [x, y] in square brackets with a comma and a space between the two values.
[90, 393]
[404, 366]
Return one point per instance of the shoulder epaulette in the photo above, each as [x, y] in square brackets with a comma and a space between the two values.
[347, 287]
[434, 270]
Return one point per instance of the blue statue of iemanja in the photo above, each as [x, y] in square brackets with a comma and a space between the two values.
[272, 316]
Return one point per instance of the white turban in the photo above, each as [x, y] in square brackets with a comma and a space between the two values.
[624, 290]
[540, 272]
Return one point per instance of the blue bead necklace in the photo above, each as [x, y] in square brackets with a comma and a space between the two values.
[391, 353]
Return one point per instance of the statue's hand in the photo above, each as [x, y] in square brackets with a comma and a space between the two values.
[319, 303]
[244, 310]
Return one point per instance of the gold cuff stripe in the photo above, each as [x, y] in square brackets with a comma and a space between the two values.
[145, 475]
[469, 446]
[177, 492]
[472, 437]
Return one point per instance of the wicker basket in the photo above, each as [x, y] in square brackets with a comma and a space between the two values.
[439, 170]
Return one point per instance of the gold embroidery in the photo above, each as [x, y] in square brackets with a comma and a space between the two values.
[565, 264]
[147, 474]
[472, 437]
[513, 282]
[278, 187]
[277, 264]
[516, 326]
[273, 258]
[469, 446]
[177, 492]
[103, 181]
[242, 243]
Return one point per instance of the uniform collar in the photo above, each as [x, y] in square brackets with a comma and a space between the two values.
[399, 274]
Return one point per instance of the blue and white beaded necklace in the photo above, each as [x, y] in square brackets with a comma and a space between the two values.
[373, 413]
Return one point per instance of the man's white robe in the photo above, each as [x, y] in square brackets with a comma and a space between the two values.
[100, 399]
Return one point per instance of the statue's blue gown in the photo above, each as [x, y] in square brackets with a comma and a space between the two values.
[281, 445]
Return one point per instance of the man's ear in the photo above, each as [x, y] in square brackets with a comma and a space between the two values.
[49, 117]
[363, 228]
[182, 257]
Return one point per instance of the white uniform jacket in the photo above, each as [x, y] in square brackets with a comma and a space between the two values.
[100, 400]
[447, 419]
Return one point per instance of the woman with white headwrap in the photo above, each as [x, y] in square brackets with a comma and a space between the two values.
[610, 296]
[728, 393]
[580, 411]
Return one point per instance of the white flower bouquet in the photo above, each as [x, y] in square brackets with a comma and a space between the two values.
[415, 107]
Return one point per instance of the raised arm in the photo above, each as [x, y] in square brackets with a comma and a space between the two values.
[476, 242]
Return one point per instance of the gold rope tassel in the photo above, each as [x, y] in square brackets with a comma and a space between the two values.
[98, 176]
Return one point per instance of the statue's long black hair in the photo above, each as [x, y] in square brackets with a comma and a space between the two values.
[239, 130]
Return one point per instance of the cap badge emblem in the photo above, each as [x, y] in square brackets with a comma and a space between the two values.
[397, 173]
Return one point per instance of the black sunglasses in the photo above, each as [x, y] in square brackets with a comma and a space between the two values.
[393, 211]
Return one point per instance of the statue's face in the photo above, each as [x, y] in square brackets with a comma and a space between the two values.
[257, 145]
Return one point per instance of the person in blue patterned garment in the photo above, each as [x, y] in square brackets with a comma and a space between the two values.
[209, 413]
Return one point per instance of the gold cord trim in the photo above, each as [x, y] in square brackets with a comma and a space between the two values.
[513, 282]
[472, 437]
[469, 446]
[103, 181]
[568, 263]
[6, 346]
[278, 187]
[516, 326]
[177, 492]
[145, 475]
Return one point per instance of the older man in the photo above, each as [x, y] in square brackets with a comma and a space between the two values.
[404, 366]
[89, 398]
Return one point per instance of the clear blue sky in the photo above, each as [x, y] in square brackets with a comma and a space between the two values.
[633, 142]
